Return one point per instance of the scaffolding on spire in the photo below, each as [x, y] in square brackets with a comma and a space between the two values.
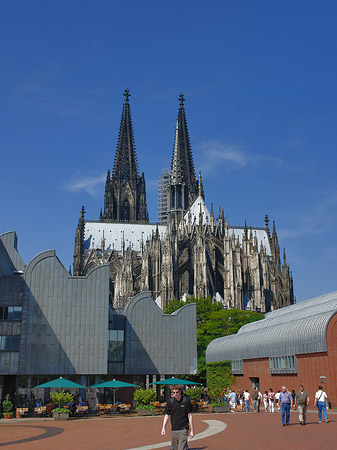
[163, 195]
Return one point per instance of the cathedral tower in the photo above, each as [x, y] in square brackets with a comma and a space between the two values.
[183, 188]
[125, 194]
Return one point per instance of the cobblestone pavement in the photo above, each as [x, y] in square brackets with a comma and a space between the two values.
[242, 431]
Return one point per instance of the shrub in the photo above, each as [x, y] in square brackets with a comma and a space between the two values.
[60, 410]
[217, 404]
[194, 394]
[144, 397]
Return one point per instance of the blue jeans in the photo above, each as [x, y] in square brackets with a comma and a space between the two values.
[321, 407]
[285, 412]
[247, 405]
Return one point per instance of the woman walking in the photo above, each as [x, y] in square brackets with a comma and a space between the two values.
[271, 398]
[320, 399]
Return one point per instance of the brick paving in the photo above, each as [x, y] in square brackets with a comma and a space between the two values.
[244, 431]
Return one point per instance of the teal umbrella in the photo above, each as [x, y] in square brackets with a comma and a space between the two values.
[174, 381]
[60, 383]
[114, 385]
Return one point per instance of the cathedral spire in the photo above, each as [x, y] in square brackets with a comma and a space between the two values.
[79, 244]
[200, 187]
[182, 167]
[125, 193]
[126, 167]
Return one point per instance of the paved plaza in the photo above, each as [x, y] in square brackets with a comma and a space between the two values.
[213, 432]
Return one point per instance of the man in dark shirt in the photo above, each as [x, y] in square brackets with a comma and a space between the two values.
[179, 408]
[301, 402]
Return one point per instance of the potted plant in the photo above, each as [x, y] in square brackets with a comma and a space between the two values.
[7, 408]
[219, 407]
[61, 398]
[60, 413]
[144, 397]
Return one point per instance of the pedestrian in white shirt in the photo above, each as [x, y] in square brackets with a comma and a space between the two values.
[320, 401]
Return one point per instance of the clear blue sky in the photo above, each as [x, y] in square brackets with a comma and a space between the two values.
[260, 85]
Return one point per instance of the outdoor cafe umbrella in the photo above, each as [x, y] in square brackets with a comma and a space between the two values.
[174, 381]
[60, 383]
[114, 385]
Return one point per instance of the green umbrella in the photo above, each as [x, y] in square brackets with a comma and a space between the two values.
[60, 383]
[174, 381]
[114, 385]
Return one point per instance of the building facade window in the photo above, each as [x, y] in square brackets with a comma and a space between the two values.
[283, 364]
[10, 343]
[116, 346]
[237, 367]
[10, 312]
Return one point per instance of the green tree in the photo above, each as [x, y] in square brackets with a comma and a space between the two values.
[213, 321]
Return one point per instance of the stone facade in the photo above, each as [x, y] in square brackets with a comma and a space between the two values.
[193, 253]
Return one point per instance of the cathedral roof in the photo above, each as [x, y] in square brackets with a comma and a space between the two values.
[114, 233]
[260, 233]
[198, 206]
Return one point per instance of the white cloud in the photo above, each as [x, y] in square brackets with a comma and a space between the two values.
[92, 185]
[217, 154]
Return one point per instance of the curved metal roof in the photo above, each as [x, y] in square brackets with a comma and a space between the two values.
[296, 329]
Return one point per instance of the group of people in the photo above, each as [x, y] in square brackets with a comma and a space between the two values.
[241, 400]
[179, 409]
[281, 400]
[301, 401]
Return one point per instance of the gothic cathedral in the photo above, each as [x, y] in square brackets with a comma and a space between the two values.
[190, 251]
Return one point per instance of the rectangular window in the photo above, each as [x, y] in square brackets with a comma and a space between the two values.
[10, 343]
[116, 346]
[10, 312]
[283, 364]
[237, 367]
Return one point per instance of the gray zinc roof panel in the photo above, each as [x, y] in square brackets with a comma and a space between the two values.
[291, 333]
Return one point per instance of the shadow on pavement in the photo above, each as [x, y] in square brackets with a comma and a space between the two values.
[48, 432]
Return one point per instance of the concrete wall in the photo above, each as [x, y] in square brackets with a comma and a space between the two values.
[158, 343]
[65, 319]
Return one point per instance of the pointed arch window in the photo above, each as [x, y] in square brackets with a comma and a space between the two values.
[125, 210]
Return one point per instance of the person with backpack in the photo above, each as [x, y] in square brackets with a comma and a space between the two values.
[179, 409]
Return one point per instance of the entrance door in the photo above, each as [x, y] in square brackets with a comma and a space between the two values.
[255, 383]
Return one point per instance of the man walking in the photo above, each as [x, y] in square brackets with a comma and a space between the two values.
[255, 399]
[301, 402]
[180, 409]
[286, 402]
